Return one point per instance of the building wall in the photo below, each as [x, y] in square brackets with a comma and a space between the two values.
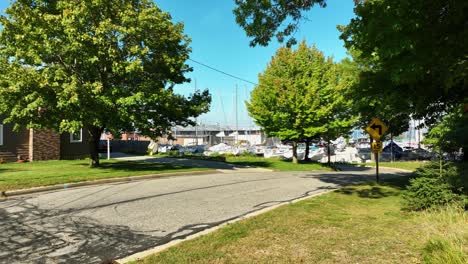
[22, 147]
[40, 144]
[15, 144]
[44, 145]
[74, 150]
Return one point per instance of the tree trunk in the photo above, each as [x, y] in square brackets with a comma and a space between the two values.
[94, 138]
[391, 147]
[440, 163]
[329, 152]
[307, 145]
[465, 154]
[294, 158]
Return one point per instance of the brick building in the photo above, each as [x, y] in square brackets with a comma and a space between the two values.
[43, 144]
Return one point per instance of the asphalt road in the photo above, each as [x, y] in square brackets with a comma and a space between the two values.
[97, 223]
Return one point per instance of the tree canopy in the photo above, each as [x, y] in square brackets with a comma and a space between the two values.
[414, 52]
[301, 95]
[411, 50]
[99, 64]
[264, 20]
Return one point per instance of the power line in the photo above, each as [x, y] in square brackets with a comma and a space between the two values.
[222, 72]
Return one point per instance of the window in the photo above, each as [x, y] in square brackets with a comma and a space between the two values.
[1, 134]
[77, 136]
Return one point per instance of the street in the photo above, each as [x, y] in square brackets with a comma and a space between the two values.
[97, 223]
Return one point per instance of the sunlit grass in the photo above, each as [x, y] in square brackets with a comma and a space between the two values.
[276, 163]
[41, 173]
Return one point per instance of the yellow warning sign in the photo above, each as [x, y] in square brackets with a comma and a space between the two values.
[376, 129]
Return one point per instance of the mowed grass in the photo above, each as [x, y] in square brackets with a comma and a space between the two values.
[357, 224]
[42, 173]
[275, 163]
[406, 165]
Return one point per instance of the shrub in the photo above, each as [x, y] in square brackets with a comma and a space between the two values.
[435, 186]
[425, 192]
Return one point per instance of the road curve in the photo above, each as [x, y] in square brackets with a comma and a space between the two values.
[97, 223]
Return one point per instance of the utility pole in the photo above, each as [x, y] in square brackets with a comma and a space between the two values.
[196, 128]
[237, 121]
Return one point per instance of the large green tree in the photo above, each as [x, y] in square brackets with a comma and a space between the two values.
[414, 52]
[339, 118]
[99, 64]
[300, 96]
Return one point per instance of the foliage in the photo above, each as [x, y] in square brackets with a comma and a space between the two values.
[95, 64]
[301, 94]
[434, 187]
[412, 53]
[450, 134]
[424, 193]
[263, 20]
[339, 119]
[368, 105]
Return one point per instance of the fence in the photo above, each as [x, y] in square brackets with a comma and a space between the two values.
[129, 146]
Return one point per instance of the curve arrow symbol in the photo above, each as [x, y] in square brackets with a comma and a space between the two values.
[375, 127]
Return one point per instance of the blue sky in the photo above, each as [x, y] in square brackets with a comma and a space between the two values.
[220, 43]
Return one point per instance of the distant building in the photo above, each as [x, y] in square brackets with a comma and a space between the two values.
[212, 135]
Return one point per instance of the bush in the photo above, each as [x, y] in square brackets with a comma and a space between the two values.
[434, 187]
[424, 193]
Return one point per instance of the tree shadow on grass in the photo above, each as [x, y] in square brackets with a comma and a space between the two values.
[137, 166]
[141, 166]
[250, 164]
[372, 192]
[364, 185]
[3, 170]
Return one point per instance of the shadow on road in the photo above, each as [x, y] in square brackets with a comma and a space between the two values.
[32, 235]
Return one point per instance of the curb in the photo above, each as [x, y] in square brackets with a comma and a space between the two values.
[6, 194]
[138, 256]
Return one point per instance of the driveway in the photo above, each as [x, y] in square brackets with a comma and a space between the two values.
[97, 223]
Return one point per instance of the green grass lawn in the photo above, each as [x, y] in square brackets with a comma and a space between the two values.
[406, 165]
[358, 224]
[275, 163]
[25, 175]
[255, 161]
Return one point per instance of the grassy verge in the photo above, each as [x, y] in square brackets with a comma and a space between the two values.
[255, 161]
[220, 158]
[358, 224]
[275, 163]
[406, 165]
[25, 175]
